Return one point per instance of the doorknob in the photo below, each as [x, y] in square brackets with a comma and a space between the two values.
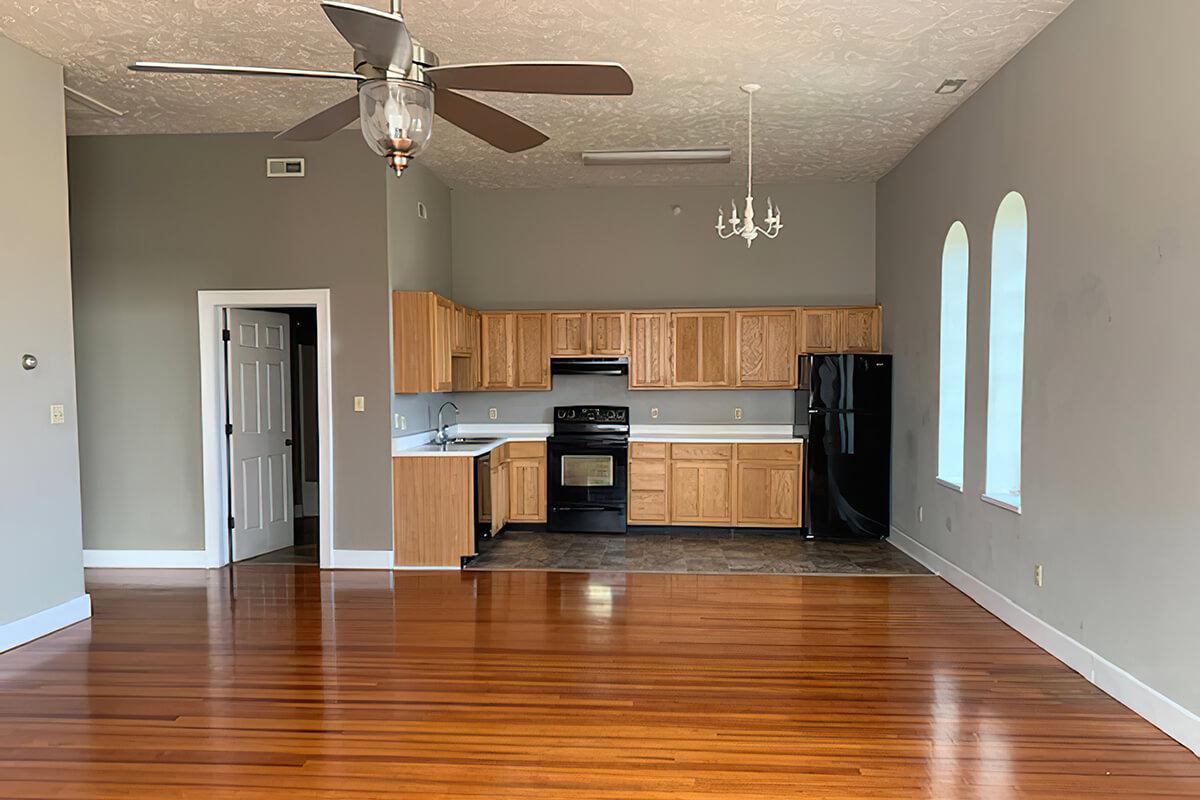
[288, 442]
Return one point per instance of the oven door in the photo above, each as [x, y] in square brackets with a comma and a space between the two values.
[587, 484]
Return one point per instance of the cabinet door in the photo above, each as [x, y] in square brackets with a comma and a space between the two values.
[648, 350]
[766, 347]
[443, 332]
[460, 342]
[768, 494]
[532, 370]
[860, 329]
[476, 367]
[497, 337]
[608, 333]
[700, 348]
[499, 494]
[483, 481]
[819, 329]
[527, 490]
[700, 492]
[569, 334]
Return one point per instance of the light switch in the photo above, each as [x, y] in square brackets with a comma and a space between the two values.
[360, 403]
[57, 415]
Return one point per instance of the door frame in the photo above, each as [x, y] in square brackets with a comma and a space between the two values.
[215, 452]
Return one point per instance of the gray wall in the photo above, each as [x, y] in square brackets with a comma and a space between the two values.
[674, 407]
[1104, 151]
[622, 247]
[156, 218]
[41, 562]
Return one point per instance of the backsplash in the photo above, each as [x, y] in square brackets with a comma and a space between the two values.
[698, 407]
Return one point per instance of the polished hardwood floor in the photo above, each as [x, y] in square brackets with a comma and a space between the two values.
[287, 682]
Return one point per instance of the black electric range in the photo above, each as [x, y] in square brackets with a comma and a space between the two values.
[588, 463]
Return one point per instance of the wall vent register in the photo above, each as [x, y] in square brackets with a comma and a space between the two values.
[285, 167]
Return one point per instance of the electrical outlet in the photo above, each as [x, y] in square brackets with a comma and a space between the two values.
[57, 415]
[654, 413]
[360, 403]
[493, 413]
[920, 513]
[737, 413]
[403, 422]
[1037, 575]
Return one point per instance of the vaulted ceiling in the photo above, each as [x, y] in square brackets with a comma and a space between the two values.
[848, 84]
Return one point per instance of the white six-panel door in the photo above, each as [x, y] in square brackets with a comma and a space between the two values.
[260, 458]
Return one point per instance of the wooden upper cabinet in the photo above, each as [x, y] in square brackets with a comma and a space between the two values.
[609, 333]
[461, 343]
[766, 347]
[498, 350]
[569, 333]
[701, 345]
[861, 329]
[819, 330]
[443, 334]
[532, 368]
[648, 353]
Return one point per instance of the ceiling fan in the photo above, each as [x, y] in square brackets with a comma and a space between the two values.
[401, 85]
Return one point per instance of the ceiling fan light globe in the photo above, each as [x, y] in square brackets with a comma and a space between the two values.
[397, 116]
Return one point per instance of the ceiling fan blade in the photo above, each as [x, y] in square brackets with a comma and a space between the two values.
[226, 69]
[536, 77]
[490, 124]
[324, 123]
[380, 38]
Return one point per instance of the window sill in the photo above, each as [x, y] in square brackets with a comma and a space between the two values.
[1009, 502]
[951, 485]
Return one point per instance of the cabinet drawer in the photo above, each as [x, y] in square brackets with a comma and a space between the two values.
[645, 506]
[647, 450]
[526, 449]
[768, 452]
[699, 452]
[649, 475]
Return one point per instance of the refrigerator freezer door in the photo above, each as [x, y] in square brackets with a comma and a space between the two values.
[851, 383]
[847, 493]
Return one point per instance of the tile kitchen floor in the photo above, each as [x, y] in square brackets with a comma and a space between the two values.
[696, 551]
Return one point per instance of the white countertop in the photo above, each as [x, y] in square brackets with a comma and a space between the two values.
[421, 444]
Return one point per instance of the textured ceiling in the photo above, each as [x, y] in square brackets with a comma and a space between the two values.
[848, 84]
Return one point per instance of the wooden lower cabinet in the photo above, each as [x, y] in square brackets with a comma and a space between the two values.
[518, 485]
[752, 485]
[768, 494]
[433, 519]
[700, 493]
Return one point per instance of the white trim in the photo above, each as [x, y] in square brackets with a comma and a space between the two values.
[999, 502]
[1165, 714]
[19, 632]
[212, 412]
[362, 559]
[145, 559]
[403, 568]
[957, 487]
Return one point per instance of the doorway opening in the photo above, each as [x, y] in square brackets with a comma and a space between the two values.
[266, 401]
[272, 435]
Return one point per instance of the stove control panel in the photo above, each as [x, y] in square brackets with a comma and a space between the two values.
[612, 414]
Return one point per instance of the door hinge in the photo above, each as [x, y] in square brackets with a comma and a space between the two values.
[231, 524]
[225, 335]
[229, 429]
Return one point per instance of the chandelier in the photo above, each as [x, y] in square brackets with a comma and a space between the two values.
[745, 227]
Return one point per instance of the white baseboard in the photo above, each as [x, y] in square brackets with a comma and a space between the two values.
[146, 559]
[405, 568]
[1165, 714]
[16, 633]
[362, 559]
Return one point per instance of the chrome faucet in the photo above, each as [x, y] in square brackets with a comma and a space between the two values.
[440, 437]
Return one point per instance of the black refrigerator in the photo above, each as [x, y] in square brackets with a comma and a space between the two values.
[844, 407]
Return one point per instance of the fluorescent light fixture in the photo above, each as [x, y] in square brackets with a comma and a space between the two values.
[629, 158]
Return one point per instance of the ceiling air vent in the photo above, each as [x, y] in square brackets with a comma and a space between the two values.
[285, 167]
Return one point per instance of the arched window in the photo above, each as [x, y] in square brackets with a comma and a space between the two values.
[952, 374]
[1006, 353]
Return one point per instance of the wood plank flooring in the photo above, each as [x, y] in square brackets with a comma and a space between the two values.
[286, 682]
